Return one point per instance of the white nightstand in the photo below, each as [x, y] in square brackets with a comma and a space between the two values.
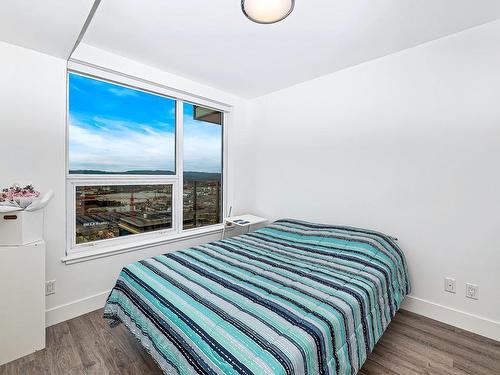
[243, 221]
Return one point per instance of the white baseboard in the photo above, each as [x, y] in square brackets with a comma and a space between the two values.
[461, 319]
[469, 322]
[76, 308]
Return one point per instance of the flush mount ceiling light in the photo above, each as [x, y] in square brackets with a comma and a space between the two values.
[267, 11]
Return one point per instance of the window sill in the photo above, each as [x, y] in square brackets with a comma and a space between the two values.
[84, 256]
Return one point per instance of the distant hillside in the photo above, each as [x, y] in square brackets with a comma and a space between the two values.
[189, 176]
[148, 172]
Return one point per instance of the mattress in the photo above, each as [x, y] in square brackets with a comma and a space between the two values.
[291, 298]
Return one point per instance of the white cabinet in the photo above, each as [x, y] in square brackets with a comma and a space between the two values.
[22, 300]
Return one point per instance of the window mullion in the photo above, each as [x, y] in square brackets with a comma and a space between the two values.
[179, 158]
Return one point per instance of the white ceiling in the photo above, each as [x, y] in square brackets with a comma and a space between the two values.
[213, 43]
[48, 26]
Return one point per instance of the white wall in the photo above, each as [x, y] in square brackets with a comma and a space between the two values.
[408, 144]
[32, 149]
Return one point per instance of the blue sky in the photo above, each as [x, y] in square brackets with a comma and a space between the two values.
[115, 128]
[202, 143]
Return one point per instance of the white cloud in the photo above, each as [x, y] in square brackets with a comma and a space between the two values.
[118, 146]
[202, 146]
[122, 91]
[115, 146]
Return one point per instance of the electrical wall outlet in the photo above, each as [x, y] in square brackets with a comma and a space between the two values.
[471, 291]
[450, 285]
[50, 287]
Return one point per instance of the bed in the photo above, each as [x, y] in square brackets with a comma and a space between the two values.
[291, 298]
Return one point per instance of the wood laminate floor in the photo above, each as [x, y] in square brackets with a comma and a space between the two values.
[411, 345]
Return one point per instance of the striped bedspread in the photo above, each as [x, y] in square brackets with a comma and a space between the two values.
[291, 298]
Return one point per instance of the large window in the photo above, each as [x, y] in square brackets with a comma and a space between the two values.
[141, 164]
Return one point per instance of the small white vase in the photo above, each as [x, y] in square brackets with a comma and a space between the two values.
[24, 202]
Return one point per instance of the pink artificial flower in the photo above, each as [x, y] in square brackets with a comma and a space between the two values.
[15, 191]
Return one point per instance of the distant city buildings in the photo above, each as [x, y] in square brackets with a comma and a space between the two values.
[202, 203]
[104, 212]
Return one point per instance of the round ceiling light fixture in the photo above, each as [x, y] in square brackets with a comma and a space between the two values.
[267, 11]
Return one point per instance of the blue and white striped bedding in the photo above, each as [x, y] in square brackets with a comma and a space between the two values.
[291, 298]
